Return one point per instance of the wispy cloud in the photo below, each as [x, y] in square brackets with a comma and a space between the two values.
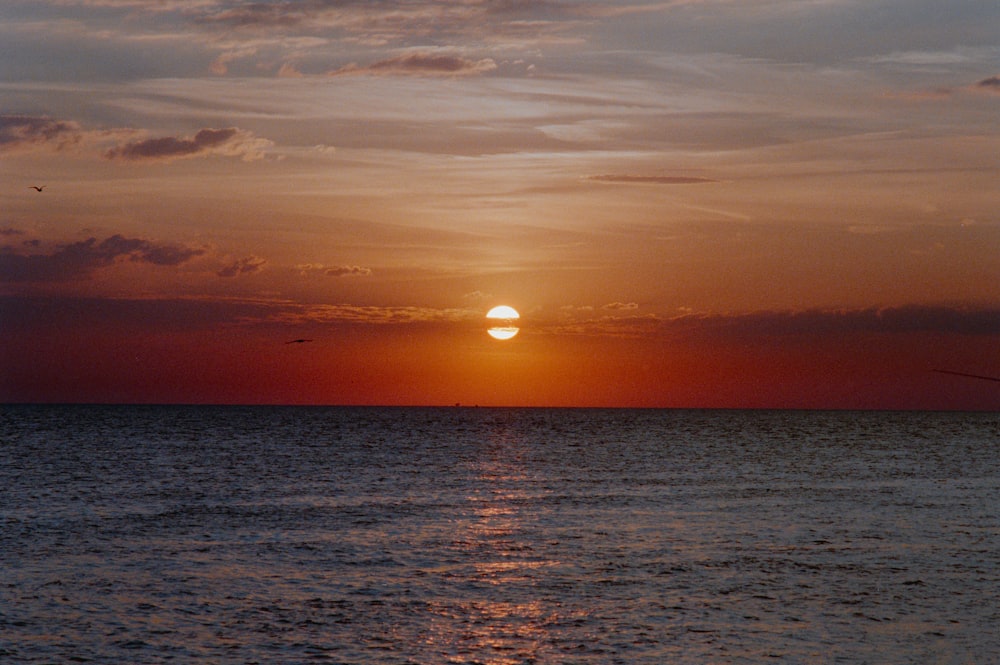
[375, 315]
[650, 180]
[310, 269]
[620, 306]
[81, 259]
[420, 64]
[244, 266]
[383, 23]
[25, 131]
[229, 141]
[988, 86]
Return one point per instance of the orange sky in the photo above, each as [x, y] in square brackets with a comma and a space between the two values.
[692, 204]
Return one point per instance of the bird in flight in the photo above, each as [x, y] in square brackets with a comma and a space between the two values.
[37, 188]
[298, 341]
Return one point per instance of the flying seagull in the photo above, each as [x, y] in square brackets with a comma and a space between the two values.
[37, 188]
[973, 376]
[298, 341]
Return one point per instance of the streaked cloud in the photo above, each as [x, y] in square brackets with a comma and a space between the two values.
[230, 142]
[819, 323]
[79, 260]
[375, 315]
[775, 325]
[420, 64]
[645, 326]
[650, 180]
[310, 269]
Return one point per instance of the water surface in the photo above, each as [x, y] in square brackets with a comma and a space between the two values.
[499, 536]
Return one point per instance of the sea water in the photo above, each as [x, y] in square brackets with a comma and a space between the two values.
[498, 536]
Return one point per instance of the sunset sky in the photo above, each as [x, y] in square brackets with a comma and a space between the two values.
[691, 203]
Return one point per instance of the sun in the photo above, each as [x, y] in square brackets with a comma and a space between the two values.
[503, 319]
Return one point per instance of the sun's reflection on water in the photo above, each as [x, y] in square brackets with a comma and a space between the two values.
[502, 614]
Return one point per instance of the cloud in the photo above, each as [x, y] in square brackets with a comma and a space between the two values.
[309, 269]
[991, 84]
[376, 24]
[80, 259]
[244, 266]
[347, 271]
[420, 64]
[18, 132]
[646, 326]
[620, 306]
[476, 296]
[47, 312]
[651, 180]
[891, 320]
[220, 65]
[230, 141]
[781, 326]
[260, 14]
[374, 315]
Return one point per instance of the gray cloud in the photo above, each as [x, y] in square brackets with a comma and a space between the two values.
[229, 141]
[991, 84]
[25, 131]
[420, 64]
[80, 259]
[244, 266]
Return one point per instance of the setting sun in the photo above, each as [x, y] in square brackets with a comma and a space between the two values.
[505, 316]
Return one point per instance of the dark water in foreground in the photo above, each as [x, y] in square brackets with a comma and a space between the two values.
[344, 535]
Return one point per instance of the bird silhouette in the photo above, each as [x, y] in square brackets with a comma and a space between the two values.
[37, 188]
[298, 341]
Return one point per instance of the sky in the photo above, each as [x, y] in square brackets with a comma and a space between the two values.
[691, 203]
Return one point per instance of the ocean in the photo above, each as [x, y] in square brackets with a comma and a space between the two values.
[163, 534]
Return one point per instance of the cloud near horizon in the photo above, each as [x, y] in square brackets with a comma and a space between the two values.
[80, 259]
[784, 324]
